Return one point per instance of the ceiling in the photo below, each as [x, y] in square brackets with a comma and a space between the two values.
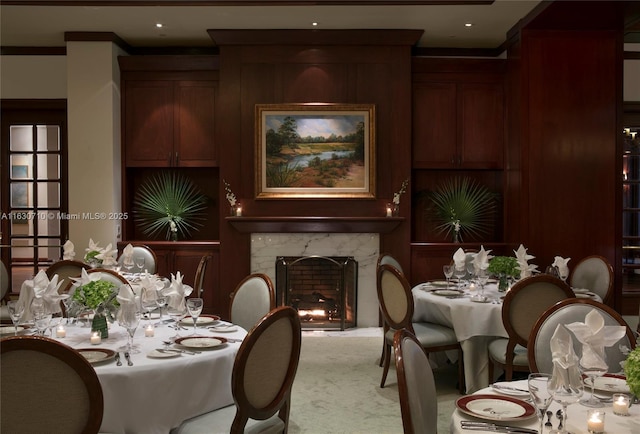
[43, 23]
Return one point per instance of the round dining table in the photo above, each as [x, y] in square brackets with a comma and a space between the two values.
[476, 322]
[158, 390]
[576, 421]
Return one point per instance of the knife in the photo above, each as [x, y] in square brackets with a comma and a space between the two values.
[500, 386]
[118, 361]
[478, 426]
[128, 357]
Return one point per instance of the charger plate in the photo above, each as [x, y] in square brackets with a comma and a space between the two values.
[495, 407]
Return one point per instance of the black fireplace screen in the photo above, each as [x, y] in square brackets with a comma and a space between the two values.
[322, 289]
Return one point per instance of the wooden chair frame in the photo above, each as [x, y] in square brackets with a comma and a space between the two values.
[269, 284]
[67, 264]
[608, 296]
[385, 258]
[201, 271]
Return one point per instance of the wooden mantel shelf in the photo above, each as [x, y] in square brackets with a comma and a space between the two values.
[379, 225]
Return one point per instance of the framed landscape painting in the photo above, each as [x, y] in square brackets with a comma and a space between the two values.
[315, 151]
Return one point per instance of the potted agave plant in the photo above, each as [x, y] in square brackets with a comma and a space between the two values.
[461, 208]
[169, 202]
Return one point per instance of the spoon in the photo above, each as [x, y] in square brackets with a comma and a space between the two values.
[549, 416]
[560, 416]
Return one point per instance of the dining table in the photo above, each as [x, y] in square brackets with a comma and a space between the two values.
[508, 404]
[475, 321]
[159, 385]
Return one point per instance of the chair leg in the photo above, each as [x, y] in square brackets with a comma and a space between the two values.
[283, 414]
[385, 329]
[387, 361]
[461, 379]
[383, 353]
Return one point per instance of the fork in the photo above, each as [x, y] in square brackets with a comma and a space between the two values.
[128, 357]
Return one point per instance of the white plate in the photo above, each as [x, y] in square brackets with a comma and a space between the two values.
[155, 354]
[200, 342]
[97, 355]
[9, 330]
[495, 407]
[485, 299]
[610, 383]
[439, 283]
[223, 328]
[505, 391]
[202, 320]
[448, 292]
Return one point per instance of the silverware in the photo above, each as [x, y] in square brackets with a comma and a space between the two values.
[128, 357]
[175, 350]
[503, 387]
[486, 426]
[560, 416]
[548, 422]
[118, 361]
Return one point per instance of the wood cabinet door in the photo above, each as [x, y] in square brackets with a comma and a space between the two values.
[148, 123]
[434, 125]
[481, 125]
[195, 103]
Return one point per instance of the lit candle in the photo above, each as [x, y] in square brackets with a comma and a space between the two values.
[95, 338]
[148, 331]
[595, 421]
[388, 210]
[621, 404]
[239, 210]
[61, 332]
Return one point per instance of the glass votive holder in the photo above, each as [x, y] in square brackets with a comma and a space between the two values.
[149, 331]
[595, 421]
[621, 404]
[96, 339]
[61, 332]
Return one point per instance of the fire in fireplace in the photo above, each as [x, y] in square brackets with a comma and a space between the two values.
[322, 289]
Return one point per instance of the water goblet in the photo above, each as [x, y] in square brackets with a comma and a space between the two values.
[565, 393]
[128, 264]
[16, 310]
[194, 306]
[482, 278]
[148, 301]
[593, 369]
[177, 314]
[448, 273]
[460, 273]
[540, 395]
[139, 261]
[129, 318]
[161, 302]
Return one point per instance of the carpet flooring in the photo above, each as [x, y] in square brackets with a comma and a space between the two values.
[337, 388]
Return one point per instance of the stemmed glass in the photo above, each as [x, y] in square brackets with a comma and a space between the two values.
[194, 305]
[130, 316]
[448, 272]
[16, 309]
[540, 395]
[128, 264]
[148, 301]
[161, 302]
[565, 393]
[482, 278]
[139, 261]
[41, 317]
[460, 273]
[177, 314]
[592, 371]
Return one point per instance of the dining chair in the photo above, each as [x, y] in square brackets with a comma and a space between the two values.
[150, 258]
[253, 298]
[198, 282]
[4, 290]
[65, 269]
[594, 273]
[263, 373]
[567, 312]
[416, 385]
[396, 302]
[60, 386]
[386, 258]
[522, 306]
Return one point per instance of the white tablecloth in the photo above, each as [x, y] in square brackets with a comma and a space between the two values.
[475, 325]
[576, 420]
[155, 395]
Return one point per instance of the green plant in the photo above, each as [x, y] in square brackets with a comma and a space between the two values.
[463, 207]
[95, 293]
[505, 265]
[169, 202]
[632, 371]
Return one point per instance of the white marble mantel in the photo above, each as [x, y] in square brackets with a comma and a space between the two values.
[365, 248]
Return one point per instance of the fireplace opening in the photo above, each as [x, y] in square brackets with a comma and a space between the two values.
[321, 288]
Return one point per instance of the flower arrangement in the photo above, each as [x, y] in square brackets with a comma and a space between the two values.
[95, 293]
[169, 202]
[231, 197]
[632, 371]
[504, 267]
[403, 189]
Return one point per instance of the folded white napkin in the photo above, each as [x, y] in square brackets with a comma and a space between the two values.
[177, 291]
[561, 264]
[460, 259]
[68, 251]
[127, 300]
[127, 253]
[83, 280]
[566, 371]
[521, 254]
[108, 256]
[595, 336]
[526, 269]
[42, 288]
[481, 260]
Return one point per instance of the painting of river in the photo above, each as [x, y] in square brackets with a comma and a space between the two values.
[316, 151]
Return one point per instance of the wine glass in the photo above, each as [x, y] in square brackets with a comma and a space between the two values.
[460, 273]
[482, 278]
[129, 318]
[566, 392]
[139, 261]
[161, 302]
[177, 313]
[148, 301]
[128, 264]
[194, 306]
[16, 309]
[41, 317]
[448, 272]
[540, 395]
[593, 368]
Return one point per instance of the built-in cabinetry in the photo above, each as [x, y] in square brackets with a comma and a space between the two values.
[458, 129]
[631, 200]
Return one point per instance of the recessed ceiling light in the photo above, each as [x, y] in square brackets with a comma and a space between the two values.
[159, 25]
[468, 24]
[314, 24]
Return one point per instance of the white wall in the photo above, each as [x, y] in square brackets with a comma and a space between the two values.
[632, 75]
[33, 77]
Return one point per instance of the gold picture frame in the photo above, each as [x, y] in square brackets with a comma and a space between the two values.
[315, 151]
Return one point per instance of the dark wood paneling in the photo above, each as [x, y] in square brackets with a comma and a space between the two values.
[195, 123]
[329, 83]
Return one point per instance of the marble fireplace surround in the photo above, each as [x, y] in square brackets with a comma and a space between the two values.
[364, 247]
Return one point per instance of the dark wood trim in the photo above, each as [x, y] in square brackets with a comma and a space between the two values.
[420, 65]
[315, 224]
[174, 51]
[169, 63]
[33, 104]
[315, 37]
[456, 52]
[631, 55]
[246, 2]
[97, 37]
[33, 51]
